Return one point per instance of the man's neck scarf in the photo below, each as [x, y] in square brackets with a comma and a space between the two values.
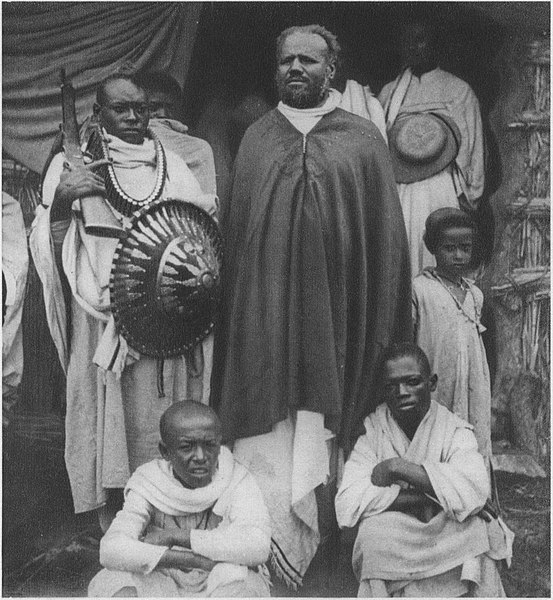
[130, 156]
[304, 119]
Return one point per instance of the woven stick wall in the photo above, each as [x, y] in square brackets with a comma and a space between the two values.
[528, 279]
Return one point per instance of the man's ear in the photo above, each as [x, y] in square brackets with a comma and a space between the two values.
[433, 382]
[163, 450]
[331, 70]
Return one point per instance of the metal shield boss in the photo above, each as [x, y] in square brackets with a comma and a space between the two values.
[165, 278]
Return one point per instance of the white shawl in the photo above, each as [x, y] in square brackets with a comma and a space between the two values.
[157, 484]
[358, 99]
[396, 546]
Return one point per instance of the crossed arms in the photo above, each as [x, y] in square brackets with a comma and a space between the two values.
[414, 500]
[131, 544]
[457, 482]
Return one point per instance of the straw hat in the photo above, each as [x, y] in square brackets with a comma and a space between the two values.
[422, 144]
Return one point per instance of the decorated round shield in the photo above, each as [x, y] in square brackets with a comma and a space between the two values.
[165, 278]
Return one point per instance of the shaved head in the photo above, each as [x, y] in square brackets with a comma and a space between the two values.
[191, 442]
[186, 414]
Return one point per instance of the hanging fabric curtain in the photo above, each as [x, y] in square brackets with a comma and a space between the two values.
[91, 40]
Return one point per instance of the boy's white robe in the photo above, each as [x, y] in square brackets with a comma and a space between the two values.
[451, 336]
[227, 520]
[397, 548]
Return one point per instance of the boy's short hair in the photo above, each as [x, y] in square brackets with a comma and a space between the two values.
[442, 219]
[402, 349]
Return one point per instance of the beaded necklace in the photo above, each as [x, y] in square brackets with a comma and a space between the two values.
[115, 194]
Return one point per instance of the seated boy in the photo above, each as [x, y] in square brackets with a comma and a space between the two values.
[417, 485]
[194, 522]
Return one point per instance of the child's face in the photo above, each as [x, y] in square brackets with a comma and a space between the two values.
[455, 250]
[407, 388]
[192, 447]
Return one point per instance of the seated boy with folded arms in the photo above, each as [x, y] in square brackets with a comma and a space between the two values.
[418, 488]
[194, 522]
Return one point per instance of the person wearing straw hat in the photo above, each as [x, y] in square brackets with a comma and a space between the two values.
[435, 136]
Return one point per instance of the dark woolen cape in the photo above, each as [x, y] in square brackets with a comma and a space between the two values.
[316, 275]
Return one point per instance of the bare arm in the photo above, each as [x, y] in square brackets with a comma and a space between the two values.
[181, 559]
[413, 501]
[393, 470]
[416, 504]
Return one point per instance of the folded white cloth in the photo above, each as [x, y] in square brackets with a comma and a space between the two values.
[358, 99]
[304, 119]
[156, 483]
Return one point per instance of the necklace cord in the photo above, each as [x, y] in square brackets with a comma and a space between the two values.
[467, 289]
[115, 194]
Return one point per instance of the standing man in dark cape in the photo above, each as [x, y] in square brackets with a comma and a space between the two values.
[316, 281]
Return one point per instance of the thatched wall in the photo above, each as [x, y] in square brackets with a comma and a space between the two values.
[518, 278]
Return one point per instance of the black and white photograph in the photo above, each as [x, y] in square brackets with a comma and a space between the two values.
[276, 299]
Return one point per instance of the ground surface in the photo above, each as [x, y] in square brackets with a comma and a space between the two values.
[48, 552]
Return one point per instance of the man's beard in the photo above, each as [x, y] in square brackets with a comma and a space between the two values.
[308, 97]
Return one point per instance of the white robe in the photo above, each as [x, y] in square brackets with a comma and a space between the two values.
[195, 152]
[451, 336]
[227, 520]
[359, 100]
[113, 413]
[395, 551]
[15, 263]
[437, 91]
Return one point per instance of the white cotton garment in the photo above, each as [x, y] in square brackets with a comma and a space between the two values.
[304, 119]
[358, 100]
[111, 421]
[15, 264]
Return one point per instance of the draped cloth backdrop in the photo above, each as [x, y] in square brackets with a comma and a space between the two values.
[90, 40]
